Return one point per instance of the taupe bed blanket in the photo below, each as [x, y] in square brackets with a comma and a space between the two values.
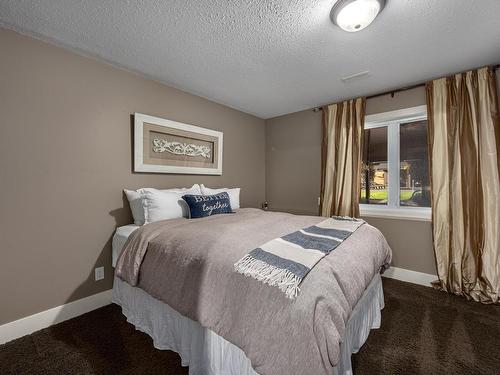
[188, 264]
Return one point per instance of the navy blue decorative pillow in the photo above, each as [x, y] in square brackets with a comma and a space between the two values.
[206, 205]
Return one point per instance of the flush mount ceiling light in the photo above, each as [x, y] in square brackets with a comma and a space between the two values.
[355, 15]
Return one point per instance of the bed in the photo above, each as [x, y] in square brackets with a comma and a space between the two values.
[189, 299]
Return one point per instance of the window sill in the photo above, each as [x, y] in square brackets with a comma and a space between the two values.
[404, 213]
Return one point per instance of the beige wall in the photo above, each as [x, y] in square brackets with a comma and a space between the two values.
[65, 156]
[293, 162]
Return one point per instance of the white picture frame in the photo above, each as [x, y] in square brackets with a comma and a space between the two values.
[140, 163]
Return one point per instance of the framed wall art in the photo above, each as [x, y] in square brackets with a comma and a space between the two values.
[165, 146]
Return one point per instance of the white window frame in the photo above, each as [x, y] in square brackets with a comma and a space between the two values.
[392, 120]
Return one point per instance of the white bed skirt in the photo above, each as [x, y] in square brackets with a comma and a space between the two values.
[207, 353]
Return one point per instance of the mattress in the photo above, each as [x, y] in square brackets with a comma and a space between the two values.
[207, 353]
[119, 238]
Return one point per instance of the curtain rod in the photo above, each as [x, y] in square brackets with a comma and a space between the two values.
[392, 92]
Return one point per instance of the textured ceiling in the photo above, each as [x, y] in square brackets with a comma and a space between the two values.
[268, 57]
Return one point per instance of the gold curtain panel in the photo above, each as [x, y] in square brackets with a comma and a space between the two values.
[464, 161]
[341, 158]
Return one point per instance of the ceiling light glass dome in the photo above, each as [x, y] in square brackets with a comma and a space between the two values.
[355, 15]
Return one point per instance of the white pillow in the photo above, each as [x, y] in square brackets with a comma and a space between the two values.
[162, 205]
[234, 194]
[135, 199]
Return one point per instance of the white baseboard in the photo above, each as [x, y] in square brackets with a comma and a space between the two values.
[44, 319]
[409, 276]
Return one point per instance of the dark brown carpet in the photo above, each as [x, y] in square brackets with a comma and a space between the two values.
[423, 332]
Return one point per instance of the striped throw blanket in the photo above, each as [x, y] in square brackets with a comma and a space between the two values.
[285, 261]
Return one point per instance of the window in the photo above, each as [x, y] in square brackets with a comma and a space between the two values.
[395, 166]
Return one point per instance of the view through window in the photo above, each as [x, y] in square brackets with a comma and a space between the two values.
[374, 171]
[414, 186]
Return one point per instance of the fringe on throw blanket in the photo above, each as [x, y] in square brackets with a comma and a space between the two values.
[284, 279]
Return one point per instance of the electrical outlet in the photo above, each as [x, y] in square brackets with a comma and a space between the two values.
[99, 273]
